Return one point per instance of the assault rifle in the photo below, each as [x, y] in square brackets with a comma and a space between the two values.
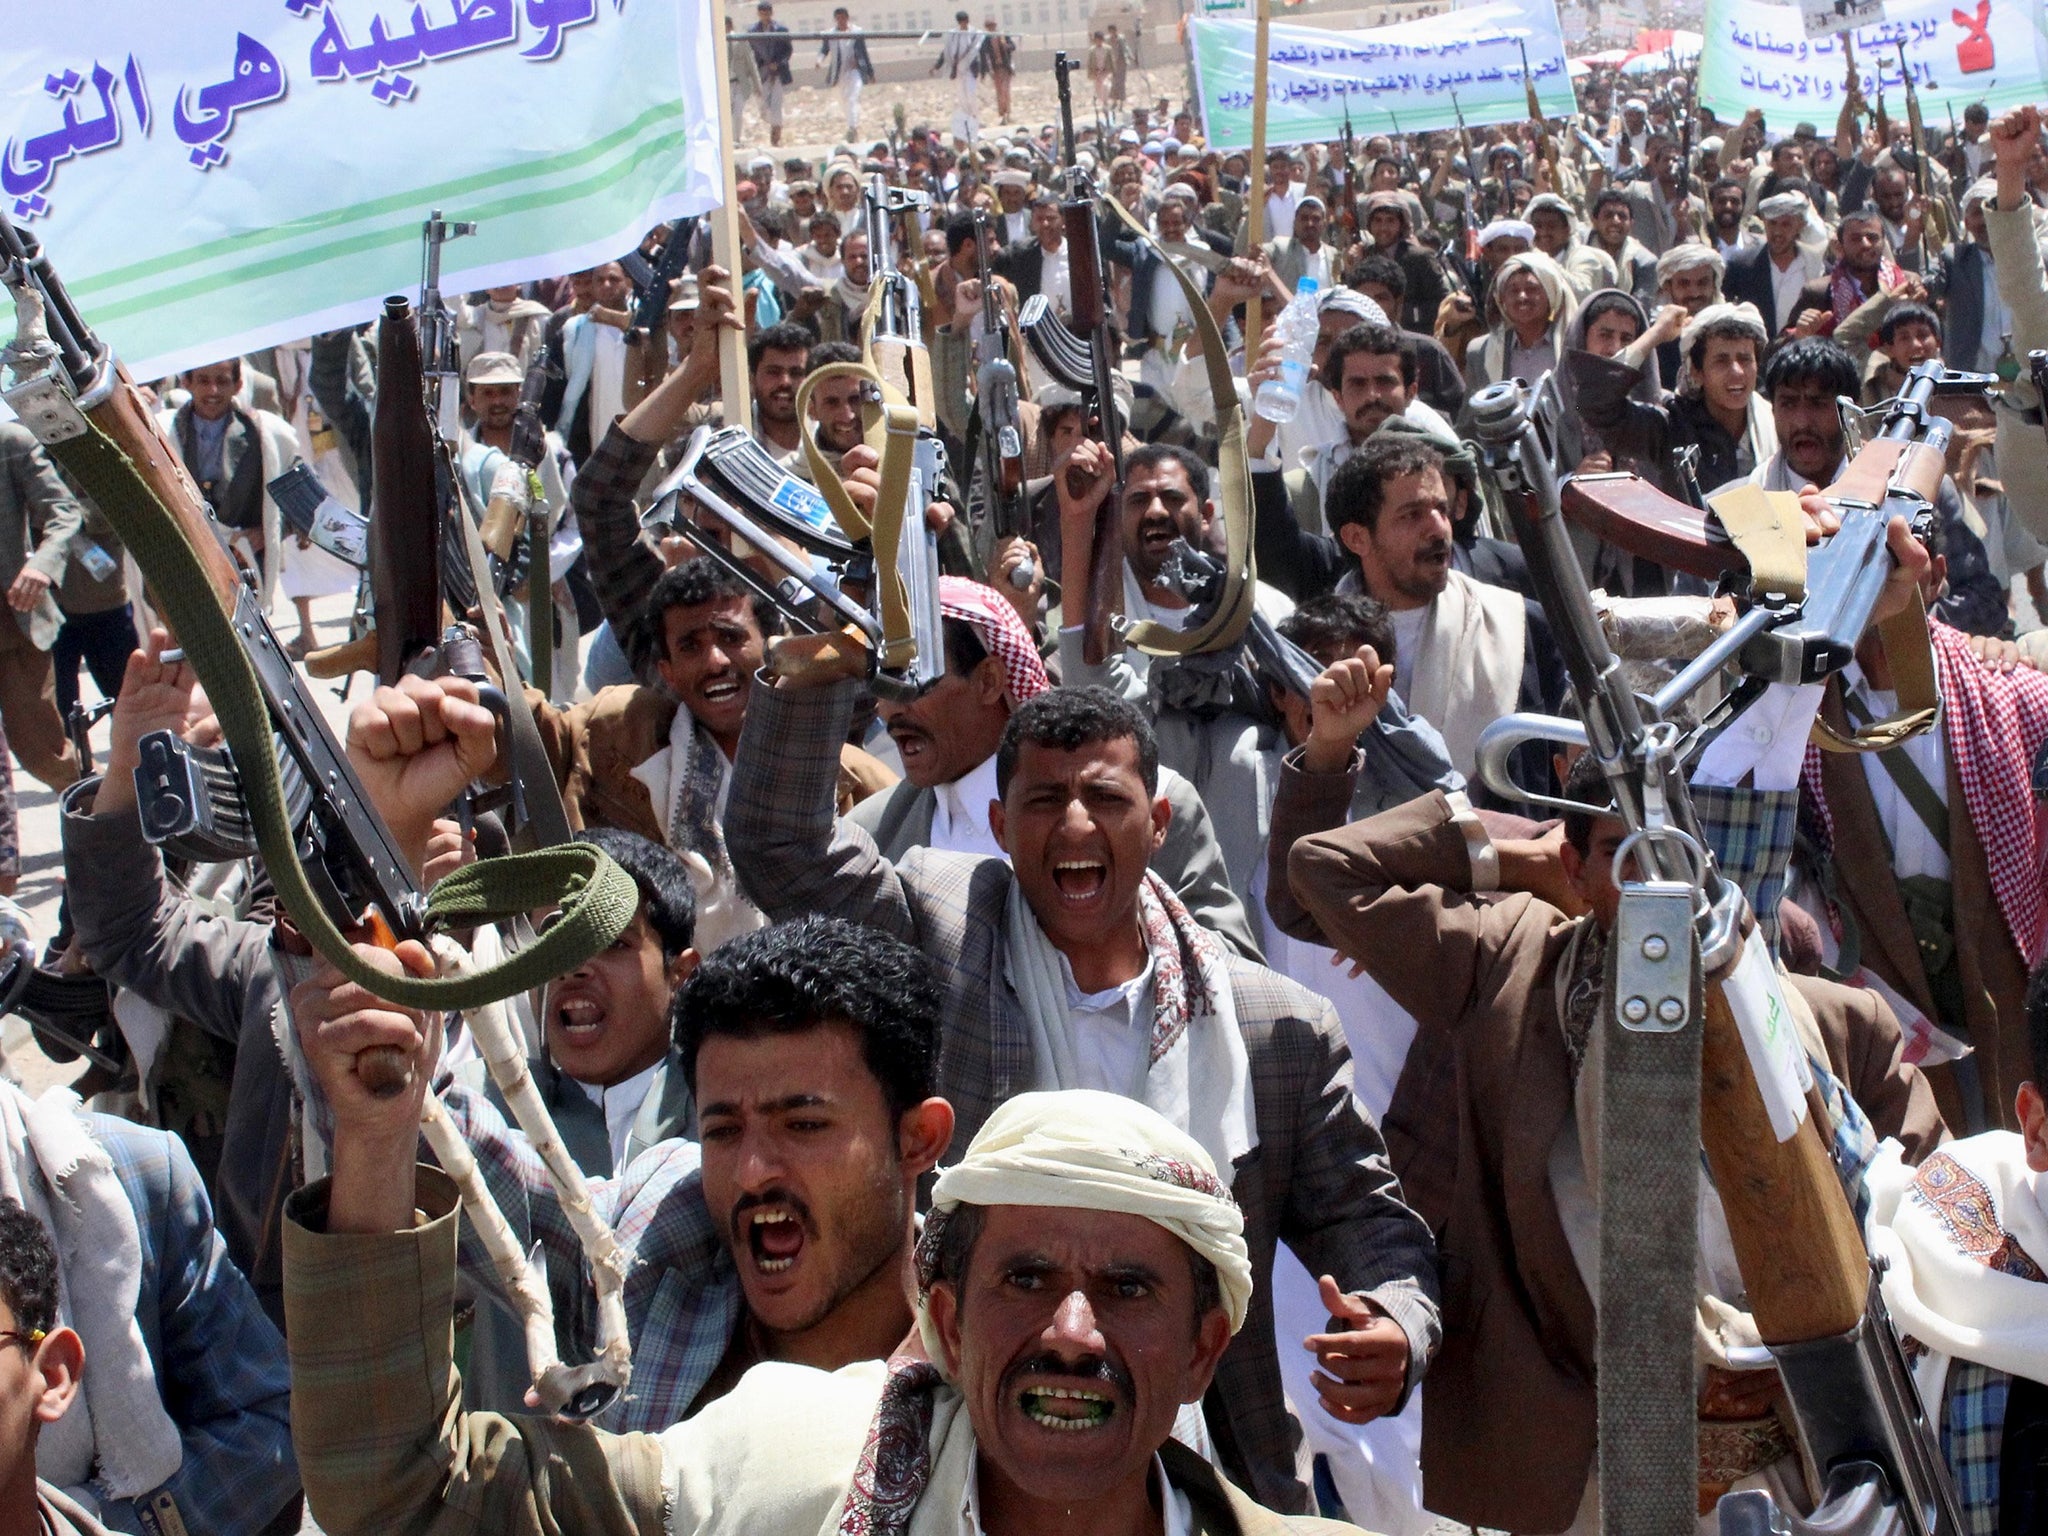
[283, 786]
[1808, 1281]
[654, 281]
[1080, 352]
[997, 433]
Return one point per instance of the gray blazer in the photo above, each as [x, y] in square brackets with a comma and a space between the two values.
[1190, 860]
[1318, 1180]
[38, 516]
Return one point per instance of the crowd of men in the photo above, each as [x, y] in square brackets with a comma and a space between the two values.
[1108, 1090]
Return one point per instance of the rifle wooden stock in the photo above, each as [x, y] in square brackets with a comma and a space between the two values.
[1888, 462]
[405, 517]
[1632, 514]
[1801, 1257]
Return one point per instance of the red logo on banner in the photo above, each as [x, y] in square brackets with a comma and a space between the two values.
[1974, 54]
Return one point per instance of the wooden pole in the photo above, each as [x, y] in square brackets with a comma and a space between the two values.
[725, 243]
[1255, 210]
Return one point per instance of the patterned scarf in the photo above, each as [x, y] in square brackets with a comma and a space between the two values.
[1198, 1073]
[1581, 982]
[696, 773]
[1845, 293]
[1989, 721]
[896, 1463]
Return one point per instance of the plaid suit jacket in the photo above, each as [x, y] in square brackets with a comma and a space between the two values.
[1319, 1180]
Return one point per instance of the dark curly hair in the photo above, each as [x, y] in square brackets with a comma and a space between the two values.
[1067, 718]
[666, 895]
[28, 1270]
[818, 971]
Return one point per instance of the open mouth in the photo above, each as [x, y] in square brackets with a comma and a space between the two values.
[775, 1237]
[911, 741]
[1066, 1409]
[1080, 879]
[720, 690]
[579, 1018]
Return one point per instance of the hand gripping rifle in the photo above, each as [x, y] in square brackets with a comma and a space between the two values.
[1080, 352]
[1697, 1025]
[892, 556]
[654, 281]
[996, 435]
[283, 787]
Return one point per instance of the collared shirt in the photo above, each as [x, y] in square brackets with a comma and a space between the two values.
[1055, 280]
[1408, 626]
[1316, 264]
[1012, 227]
[1915, 851]
[621, 1105]
[960, 818]
[683, 1297]
[1786, 285]
[607, 377]
[210, 438]
[1177, 1515]
[1112, 1031]
[1280, 211]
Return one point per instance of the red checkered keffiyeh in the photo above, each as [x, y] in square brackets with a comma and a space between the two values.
[1844, 294]
[1001, 632]
[1990, 723]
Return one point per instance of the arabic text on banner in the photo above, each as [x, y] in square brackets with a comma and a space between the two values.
[1959, 51]
[216, 178]
[1398, 78]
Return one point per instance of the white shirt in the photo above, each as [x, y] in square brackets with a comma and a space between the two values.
[960, 818]
[1177, 1515]
[621, 1105]
[1786, 282]
[1316, 264]
[1012, 227]
[1408, 626]
[1280, 211]
[1914, 849]
[1055, 280]
[1112, 1031]
[607, 379]
[826, 270]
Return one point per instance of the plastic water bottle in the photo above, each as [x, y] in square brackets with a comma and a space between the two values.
[1280, 396]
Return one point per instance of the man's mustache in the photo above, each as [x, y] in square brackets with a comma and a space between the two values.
[1093, 1368]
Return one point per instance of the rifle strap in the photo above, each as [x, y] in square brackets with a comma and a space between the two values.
[1770, 530]
[1226, 625]
[598, 899]
[890, 427]
[1911, 656]
[540, 797]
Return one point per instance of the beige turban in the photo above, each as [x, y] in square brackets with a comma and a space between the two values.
[1746, 314]
[1078, 1149]
[1783, 205]
[1683, 258]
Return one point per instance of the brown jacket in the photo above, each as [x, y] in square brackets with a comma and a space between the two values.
[596, 746]
[1508, 1428]
[1993, 971]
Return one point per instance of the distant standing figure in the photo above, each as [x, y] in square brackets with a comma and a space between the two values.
[999, 51]
[772, 54]
[961, 59]
[1099, 68]
[744, 73]
[1119, 65]
[847, 65]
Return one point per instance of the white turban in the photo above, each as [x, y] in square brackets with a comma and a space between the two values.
[1747, 314]
[1078, 1149]
[1350, 301]
[1783, 205]
[1499, 229]
[1683, 258]
[1983, 190]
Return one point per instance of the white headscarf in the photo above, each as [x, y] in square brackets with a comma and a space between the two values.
[1564, 307]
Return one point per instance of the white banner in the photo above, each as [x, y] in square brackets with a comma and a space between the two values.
[212, 176]
[1958, 51]
[1411, 77]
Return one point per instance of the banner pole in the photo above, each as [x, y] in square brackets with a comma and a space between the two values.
[725, 235]
[1255, 211]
